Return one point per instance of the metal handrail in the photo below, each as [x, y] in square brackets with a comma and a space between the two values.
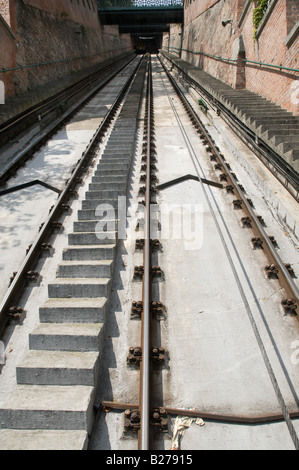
[60, 61]
[264, 64]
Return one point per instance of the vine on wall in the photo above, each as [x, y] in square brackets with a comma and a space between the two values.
[258, 13]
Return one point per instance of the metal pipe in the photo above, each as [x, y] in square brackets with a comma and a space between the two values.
[280, 67]
[21, 67]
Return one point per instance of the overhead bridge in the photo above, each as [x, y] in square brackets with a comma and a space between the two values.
[149, 18]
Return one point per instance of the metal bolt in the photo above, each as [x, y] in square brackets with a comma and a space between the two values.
[237, 204]
[246, 221]
[257, 242]
[289, 305]
[271, 271]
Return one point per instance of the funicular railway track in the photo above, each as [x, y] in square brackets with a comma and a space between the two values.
[157, 403]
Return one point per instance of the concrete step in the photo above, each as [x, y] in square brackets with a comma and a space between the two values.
[253, 114]
[86, 215]
[87, 253]
[49, 407]
[260, 107]
[106, 165]
[92, 225]
[87, 269]
[79, 288]
[115, 159]
[92, 238]
[58, 368]
[278, 128]
[282, 138]
[106, 171]
[71, 311]
[94, 204]
[114, 179]
[77, 337]
[104, 194]
[118, 186]
[119, 144]
[20, 439]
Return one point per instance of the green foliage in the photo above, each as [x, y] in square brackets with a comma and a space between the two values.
[258, 13]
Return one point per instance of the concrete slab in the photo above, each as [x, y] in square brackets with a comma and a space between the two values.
[43, 367]
[15, 439]
[49, 407]
[67, 337]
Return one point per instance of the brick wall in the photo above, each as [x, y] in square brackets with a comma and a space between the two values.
[278, 86]
[7, 56]
[67, 33]
[79, 11]
[292, 9]
[193, 9]
[204, 34]
[172, 41]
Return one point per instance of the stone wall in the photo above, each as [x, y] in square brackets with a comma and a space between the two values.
[172, 41]
[79, 11]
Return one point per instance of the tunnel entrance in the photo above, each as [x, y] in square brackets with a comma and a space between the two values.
[144, 43]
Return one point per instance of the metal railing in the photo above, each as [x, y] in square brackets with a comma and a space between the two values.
[233, 61]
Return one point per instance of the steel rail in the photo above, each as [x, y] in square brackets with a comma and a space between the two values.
[144, 437]
[14, 292]
[286, 280]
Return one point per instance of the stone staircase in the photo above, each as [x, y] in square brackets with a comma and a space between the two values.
[276, 127]
[52, 405]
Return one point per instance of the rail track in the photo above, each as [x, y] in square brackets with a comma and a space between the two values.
[198, 327]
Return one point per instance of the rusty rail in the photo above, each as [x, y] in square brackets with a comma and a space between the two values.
[144, 437]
